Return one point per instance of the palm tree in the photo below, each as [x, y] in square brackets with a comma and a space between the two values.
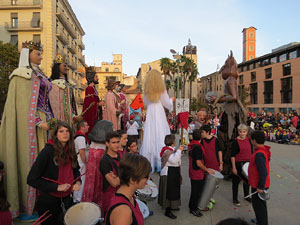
[186, 69]
[192, 77]
[165, 67]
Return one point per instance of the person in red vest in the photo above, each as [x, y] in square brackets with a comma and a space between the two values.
[134, 172]
[241, 151]
[259, 175]
[213, 152]
[197, 171]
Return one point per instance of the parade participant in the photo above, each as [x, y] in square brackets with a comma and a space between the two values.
[123, 107]
[61, 96]
[201, 118]
[132, 146]
[212, 148]
[233, 110]
[54, 172]
[240, 154]
[24, 126]
[111, 105]
[82, 151]
[91, 100]
[92, 191]
[259, 175]
[123, 142]
[5, 214]
[132, 128]
[109, 169]
[156, 125]
[196, 174]
[134, 172]
[170, 178]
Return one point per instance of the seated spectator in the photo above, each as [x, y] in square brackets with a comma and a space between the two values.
[296, 140]
[285, 137]
[278, 137]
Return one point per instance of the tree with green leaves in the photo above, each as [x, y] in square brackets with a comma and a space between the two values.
[9, 59]
[196, 105]
[165, 64]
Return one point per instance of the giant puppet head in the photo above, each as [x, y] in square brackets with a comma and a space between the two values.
[229, 68]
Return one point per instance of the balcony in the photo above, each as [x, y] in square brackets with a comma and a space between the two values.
[21, 4]
[81, 45]
[72, 48]
[66, 23]
[81, 59]
[60, 34]
[72, 65]
[24, 26]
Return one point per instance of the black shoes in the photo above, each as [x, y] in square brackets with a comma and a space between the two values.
[249, 199]
[196, 213]
[170, 215]
[254, 221]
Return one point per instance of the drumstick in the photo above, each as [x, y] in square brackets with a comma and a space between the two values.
[78, 178]
[40, 222]
[251, 194]
[35, 223]
[54, 181]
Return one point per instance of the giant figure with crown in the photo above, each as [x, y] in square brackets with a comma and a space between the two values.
[24, 129]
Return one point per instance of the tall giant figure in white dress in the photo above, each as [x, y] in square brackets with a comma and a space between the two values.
[156, 125]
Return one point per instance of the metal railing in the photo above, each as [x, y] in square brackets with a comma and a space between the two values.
[81, 45]
[72, 47]
[29, 25]
[62, 36]
[64, 20]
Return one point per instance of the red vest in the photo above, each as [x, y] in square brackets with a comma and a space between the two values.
[119, 198]
[210, 154]
[245, 150]
[253, 171]
[195, 174]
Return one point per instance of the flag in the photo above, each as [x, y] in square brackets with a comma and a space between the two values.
[137, 102]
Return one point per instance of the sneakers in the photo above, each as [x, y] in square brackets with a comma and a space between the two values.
[213, 201]
[210, 205]
[237, 203]
[196, 213]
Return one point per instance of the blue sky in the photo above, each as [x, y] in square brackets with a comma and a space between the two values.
[144, 31]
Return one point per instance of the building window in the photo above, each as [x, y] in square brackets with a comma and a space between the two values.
[240, 90]
[250, 57]
[268, 92]
[268, 73]
[253, 76]
[241, 79]
[286, 90]
[282, 57]
[14, 19]
[106, 70]
[253, 93]
[110, 78]
[14, 40]
[13, 2]
[116, 69]
[35, 22]
[274, 59]
[265, 62]
[251, 35]
[220, 87]
[250, 48]
[286, 69]
[36, 38]
[293, 54]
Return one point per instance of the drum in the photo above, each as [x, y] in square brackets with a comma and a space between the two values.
[245, 169]
[150, 184]
[84, 213]
[211, 184]
[144, 194]
[143, 208]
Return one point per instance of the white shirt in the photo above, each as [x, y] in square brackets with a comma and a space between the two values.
[174, 160]
[132, 129]
[80, 144]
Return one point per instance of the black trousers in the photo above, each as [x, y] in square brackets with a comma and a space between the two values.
[196, 191]
[236, 180]
[260, 209]
[53, 204]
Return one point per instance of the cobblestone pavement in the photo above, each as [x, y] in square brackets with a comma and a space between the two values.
[283, 207]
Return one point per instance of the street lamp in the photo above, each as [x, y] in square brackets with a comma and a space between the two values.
[177, 56]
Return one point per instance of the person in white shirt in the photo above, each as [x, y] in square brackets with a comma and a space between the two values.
[82, 150]
[170, 177]
[132, 128]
